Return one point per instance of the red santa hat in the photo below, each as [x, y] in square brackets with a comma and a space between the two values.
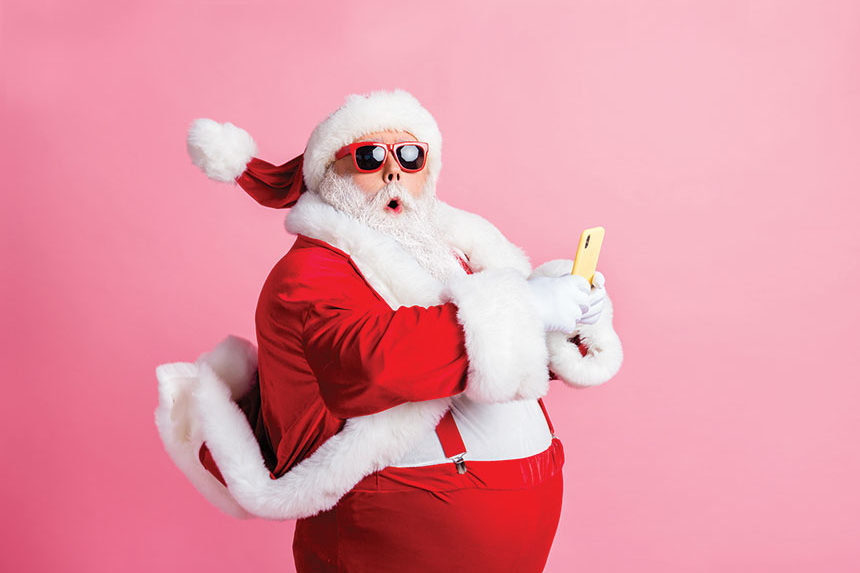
[226, 153]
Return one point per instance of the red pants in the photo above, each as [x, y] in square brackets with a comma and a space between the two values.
[498, 516]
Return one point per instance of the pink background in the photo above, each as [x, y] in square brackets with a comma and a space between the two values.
[718, 142]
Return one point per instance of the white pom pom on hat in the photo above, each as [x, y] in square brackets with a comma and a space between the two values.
[220, 150]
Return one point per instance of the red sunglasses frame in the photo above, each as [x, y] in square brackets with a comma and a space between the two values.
[392, 147]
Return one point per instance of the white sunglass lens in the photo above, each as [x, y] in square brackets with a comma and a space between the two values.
[409, 152]
[378, 154]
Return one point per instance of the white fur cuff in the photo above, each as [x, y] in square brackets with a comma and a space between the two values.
[504, 336]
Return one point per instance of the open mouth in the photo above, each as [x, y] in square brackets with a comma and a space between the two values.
[394, 205]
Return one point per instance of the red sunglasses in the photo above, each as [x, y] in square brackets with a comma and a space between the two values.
[370, 156]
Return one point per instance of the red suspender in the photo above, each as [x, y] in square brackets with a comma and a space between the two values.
[449, 435]
[452, 441]
[546, 415]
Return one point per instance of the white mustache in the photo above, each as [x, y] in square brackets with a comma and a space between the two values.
[391, 191]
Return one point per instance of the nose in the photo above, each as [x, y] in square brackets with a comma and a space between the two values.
[391, 170]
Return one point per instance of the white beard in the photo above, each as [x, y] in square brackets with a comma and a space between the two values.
[415, 227]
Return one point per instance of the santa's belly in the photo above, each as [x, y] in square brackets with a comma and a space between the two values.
[503, 431]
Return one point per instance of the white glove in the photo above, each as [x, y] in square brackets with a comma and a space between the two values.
[595, 300]
[561, 301]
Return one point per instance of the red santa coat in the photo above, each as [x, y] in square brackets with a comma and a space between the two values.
[330, 348]
[344, 351]
[348, 292]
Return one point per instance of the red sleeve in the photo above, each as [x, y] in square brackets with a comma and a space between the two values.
[371, 359]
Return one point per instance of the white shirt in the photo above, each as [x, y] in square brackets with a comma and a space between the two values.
[502, 431]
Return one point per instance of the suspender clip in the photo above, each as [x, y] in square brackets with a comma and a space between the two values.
[459, 463]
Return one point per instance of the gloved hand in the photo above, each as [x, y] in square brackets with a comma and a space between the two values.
[595, 299]
[561, 301]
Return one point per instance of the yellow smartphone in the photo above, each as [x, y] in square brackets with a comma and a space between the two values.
[585, 262]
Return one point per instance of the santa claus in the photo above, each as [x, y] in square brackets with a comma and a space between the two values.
[392, 405]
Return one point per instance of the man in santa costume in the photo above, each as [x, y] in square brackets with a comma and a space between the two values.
[393, 404]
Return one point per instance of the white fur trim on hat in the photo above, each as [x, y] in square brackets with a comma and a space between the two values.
[363, 114]
[220, 150]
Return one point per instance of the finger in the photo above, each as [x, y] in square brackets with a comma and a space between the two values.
[580, 298]
[598, 281]
[593, 312]
[575, 311]
[580, 282]
[595, 308]
[596, 297]
[592, 319]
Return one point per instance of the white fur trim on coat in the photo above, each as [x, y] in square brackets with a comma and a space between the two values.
[604, 356]
[365, 444]
[220, 150]
[363, 114]
[180, 431]
[197, 403]
[484, 244]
